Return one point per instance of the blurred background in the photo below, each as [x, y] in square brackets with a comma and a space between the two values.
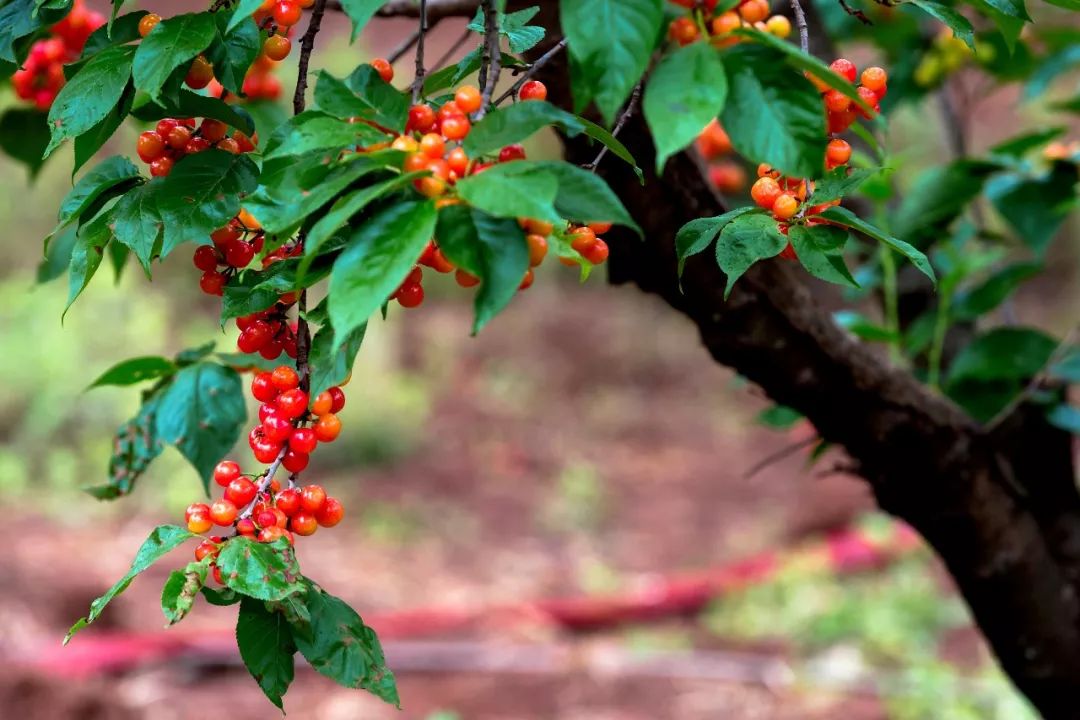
[583, 449]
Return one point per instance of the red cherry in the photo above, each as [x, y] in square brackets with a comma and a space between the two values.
[511, 152]
[845, 69]
[410, 296]
[292, 403]
[178, 137]
[263, 388]
[212, 283]
[303, 523]
[455, 128]
[246, 526]
[294, 461]
[240, 491]
[288, 501]
[421, 119]
[223, 512]
[165, 126]
[239, 254]
[270, 534]
[303, 440]
[327, 428]
[205, 548]
[312, 498]
[598, 253]
[161, 167]
[330, 513]
[225, 472]
[285, 378]
[337, 397]
[384, 68]
[277, 429]
[205, 258]
[266, 451]
[286, 13]
[196, 509]
[150, 146]
[533, 90]
[213, 130]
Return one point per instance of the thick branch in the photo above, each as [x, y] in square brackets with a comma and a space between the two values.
[307, 44]
[492, 64]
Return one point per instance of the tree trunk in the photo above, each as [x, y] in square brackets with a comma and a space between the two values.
[1000, 508]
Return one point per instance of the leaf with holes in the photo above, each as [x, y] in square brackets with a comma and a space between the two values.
[181, 588]
[260, 570]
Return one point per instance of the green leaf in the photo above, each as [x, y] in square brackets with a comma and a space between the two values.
[992, 291]
[124, 30]
[1012, 8]
[492, 249]
[86, 256]
[584, 196]
[685, 91]
[181, 588]
[258, 290]
[57, 257]
[363, 94]
[221, 597]
[201, 194]
[89, 95]
[845, 217]
[260, 570]
[163, 539]
[331, 361]
[511, 190]
[952, 18]
[1067, 368]
[314, 130]
[110, 177]
[519, 34]
[1007, 353]
[135, 445]
[820, 250]
[266, 646]
[359, 12]
[779, 417]
[243, 11]
[936, 199]
[745, 240]
[333, 638]
[137, 224]
[173, 42]
[87, 144]
[696, 235]
[189, 104]
[610, 42]
[514, 123]
[1065, 417]
[1019, 145]
[861, 326]
[1036, 208]
[612, 143]
[772, 114]
[24, 135]
[377, 259]
[202, 412]
[135, 370]
[342, 210]
[838, 183]
[234, 52]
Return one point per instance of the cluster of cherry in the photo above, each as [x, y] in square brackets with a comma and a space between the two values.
[42, 75]
[718, 27]
[173, 138]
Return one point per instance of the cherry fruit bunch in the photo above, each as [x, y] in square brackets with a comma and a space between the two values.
[704, 21]
[173, 138]
[42, 75]
[289, 431]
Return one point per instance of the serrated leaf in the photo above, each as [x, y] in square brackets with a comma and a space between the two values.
[234, 51]
[111, 176]
[202, 413]
[820, 250]
[337, 643]
[124, 30]
[260, 570]
[744, 241]
[1006, 353]
[163, 539]
[86, 256]
[201, 194]
[258, 290]
[585, 197]
[363, 94]
[173, 42]
[952, 18]
[992, 291]
[135, 445]
[377, 259]
[86, 98]
[330, 361]
[189, 104]
[696, 235]
[610, 62]
[135, 370]
[772, 114]
[514, 123]
[24, 135]
[489, 248]
[314, 130]
[845, 217]
[137, 224]
[838, 183]
[181, 588]
[1035, 207]
[87, 144]
[266, 646]
[685, 91]
[511, 190]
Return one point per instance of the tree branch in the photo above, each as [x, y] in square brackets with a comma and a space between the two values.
[631, 106]
[307, 44]
[800, 23]
[418, 80]
[492, 61]
[436, 10]
[531, 72]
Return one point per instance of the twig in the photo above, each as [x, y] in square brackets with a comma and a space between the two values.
[800, 23]
[1059, 352]
[264, 483]
[303, 342]
[418, 80]
[630, 108]
[405, 46]
[533, 69]
[489, 71]
[855, 13]
[307, 44]
[779, 455]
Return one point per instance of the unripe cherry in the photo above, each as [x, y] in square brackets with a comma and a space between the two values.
[225, 472]
[765, 191]
[874, 78]
[148, 23]
[270, 534]
[240, 491]
[199, 522]
[468, 98]
[323, 403]
[785, 206]
[199, 74]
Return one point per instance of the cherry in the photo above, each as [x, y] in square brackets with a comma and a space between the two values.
[384, 68]
[265, 451]
[277, 47]
[753, 11]
[205, 548]
[199, 522]
[527, 280]
[178, 137]
[263, 388]
[205, 258]
[331, 512]
[294, 461]
[785, 206]
[213, 130]
[598, 253]
[779, 26]
[247, 144]
[161, 167]
[223, 512]
[408, 296]
[196, 145]
[582, 239]
[511, 152]
[455, 128]
[303, 523]
[327, 427]
[421, 119]
[538, 248]
[726, 22]
[836, 101]
[292, 403]
[148, 23]
[536, 227]
[323, 403]
[839, 122]
[312, 498]
[239, 254]
[150, 146]
[211, 283]
[599, 227]
[449, 109]
[468, 98]
[270, 534]
[466, 280]
[254, 338]
[458, 161]
[223, 236]
[432, 145]
[683, 30]
[199, 74]
[533, 90]
[765, 191]
[286, 13]
[288, 501]
[285, 378]
[845, 69]
[277, 429]
[196, 509]
[272, 350]
[875, 79]
[869, 97]
[338, 397]
[837, 152]
[245, 526]
[225, 472]
[240, 491]
[229, 145]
